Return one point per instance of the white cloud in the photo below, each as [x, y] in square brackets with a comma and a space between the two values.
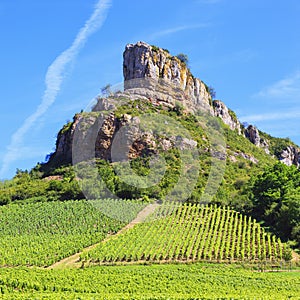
[54, 78]
[288, 87]
[174, 30]
[273, 116]
[282, 97]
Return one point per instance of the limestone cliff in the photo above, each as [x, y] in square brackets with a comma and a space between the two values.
[94, 135]
[64, 141]
[142, 61]
[152, 74]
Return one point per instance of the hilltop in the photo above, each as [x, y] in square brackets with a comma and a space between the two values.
[154, 75]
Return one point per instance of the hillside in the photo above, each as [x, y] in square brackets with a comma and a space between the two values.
[161, 82]
[191, 233]
[162, 181]
[163, 113]
[163, 136]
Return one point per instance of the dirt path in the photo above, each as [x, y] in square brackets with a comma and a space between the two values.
[73, 261]
[296, 257]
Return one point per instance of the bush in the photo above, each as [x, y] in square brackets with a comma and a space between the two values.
[183, 58]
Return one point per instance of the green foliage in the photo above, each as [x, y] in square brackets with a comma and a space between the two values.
[190, 233]
[212, 92]
[29, 187]
[185, 281]
[183, 58]
[277, 145]
[178, 108]
[275, 195]
[65, 128]
[233, 115]
[155, 48]
[106, 90]
[42, 233]
[136, 108]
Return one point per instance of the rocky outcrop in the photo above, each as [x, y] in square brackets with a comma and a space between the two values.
[290, 156]
[243, 155]
[153, 72]
[154, 75]
[227, 116]
[64, 141]
[252, 134]
[110, 138]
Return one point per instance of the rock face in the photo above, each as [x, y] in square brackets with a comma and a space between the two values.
[168, 77]
[152, 74]
[252, 134]
[112, 139]
[64, 141]
[228, 117]
[290, 156]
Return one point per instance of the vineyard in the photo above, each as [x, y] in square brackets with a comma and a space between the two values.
[42, 233]
[191, 233]
[166, 281]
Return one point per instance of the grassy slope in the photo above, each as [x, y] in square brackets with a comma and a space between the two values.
[239, 169]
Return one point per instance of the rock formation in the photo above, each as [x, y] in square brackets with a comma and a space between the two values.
[112, 139]
[152, 74]
[64, 141]
[252, 134]
[169, 78]
[227, 116]
[290, 156]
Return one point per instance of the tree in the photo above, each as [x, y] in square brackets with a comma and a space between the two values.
[183, 58]
[275, 196]
[212, 92]
[106, 90]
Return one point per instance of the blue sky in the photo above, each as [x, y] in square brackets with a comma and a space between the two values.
[56, 55]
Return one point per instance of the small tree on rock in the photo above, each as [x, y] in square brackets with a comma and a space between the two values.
[183, 58]
[212, 92]
[106, 90]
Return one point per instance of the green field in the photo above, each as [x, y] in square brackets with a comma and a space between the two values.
[181, 281]
[160, 255]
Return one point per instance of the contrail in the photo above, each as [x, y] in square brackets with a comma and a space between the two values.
[54, 78]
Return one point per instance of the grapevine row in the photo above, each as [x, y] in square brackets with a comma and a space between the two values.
[193, 233]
